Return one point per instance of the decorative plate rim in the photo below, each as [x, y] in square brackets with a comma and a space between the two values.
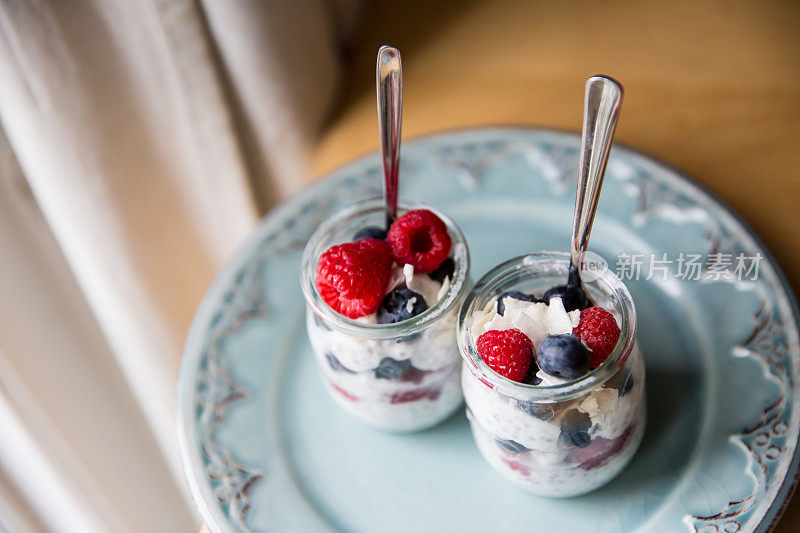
[186, 422]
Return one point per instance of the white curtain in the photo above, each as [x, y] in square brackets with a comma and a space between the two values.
[141, 139]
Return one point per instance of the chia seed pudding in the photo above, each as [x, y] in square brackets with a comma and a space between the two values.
[383, 330]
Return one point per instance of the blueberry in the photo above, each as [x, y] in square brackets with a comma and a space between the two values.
[400, 304]
[531, 378]
[563, 356]
[572, 296]
[542, 411]
[445, 270]
[575, 429]
[390, 368]
[514, 295]
[627, 386]
[371, 232]
[580, 439]
[511, 446]
[335, 364]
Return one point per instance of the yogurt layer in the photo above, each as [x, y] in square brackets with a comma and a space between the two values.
[428, 350]
[427, 387]
[560, 448]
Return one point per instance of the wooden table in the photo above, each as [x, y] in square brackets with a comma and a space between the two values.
[711, 87]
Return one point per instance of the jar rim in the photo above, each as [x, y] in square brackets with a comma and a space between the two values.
[459, 282]
[492, 283]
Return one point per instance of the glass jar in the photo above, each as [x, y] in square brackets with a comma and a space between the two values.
[565, 439]
[398, 377]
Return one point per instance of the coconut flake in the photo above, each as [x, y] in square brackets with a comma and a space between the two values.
[600, 401]
[558, 322]
[408, 272]
[575, 317]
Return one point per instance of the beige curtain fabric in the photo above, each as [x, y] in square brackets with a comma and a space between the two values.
[74, 444]
[141, 138]
[279, 85]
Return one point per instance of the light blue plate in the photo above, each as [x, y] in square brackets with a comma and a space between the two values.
[265, 449]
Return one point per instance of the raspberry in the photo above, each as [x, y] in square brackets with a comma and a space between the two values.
[414, 395]
[419, 238]
[508, 352]
[599, 331]
[352, 277]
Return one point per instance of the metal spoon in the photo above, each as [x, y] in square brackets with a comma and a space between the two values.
[601, 109]
[389, 82]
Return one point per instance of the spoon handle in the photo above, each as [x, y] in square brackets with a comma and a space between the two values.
[389, 81]
[600, 112]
